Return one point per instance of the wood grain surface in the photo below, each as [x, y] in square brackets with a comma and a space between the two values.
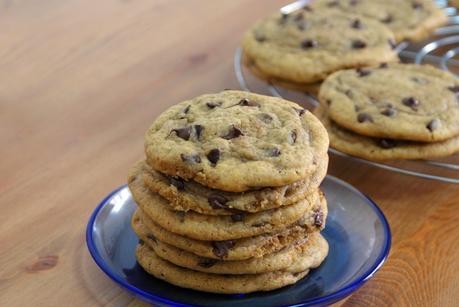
[80, 82]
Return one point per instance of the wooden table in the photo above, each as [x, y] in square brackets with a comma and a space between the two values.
[80, 82]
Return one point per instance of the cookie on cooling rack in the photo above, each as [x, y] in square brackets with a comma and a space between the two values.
[383, 149]
[410, 20]
[398, 101]
[307, 45]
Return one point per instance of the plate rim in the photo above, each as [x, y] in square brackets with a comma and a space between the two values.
[330, 298]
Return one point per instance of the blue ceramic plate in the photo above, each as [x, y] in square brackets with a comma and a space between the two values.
[357, 231]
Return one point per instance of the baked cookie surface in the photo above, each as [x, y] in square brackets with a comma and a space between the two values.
[399, 101]
[307, 45]
[206, 227]
[383, 149]
[409, 20]
[208, 282]
[239, 249]
[189, 195]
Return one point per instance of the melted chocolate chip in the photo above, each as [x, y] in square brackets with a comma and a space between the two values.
[233, 133]
[177, 182]
[356, 24]
[152, 238]
[141, 242]
[411, 102]
[300, 111]
[212, 105]
[417, 5]
[388, 19]
[260, 38]
[308, 43]
[454, 89]
[392, 43]
[213, 156]
[383, 65]
[292, 137]
[318, 218]
[220, 248]
[358, 44]
[266, 118]
[187, 109]
[363, 72]
[217, 201]
[237, 217]
[181, 215]
[283, 18]
[433, 124]
[206, 262]
[390, 112]
[274, 152]
[387, 143]
[183, 133]
[364, 117]
[248, 103]
[198, 129]
[190, 158]
[307, 8]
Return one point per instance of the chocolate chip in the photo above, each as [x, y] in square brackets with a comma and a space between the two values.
[183, 133]
[177, 182]
[308, 43]
[332, 3]
[383, 65]
[190, 158]
[217, 201]
[388, 19]
[389, 112]
[187, 109]
[416, 5]
[260, 38]
[364, 117]
[363, 72]
[206, 262]
[292, 137]
[411, 102]
[221, 248]
[181, 215]
[300, 111]
[348, 93]
[358, 44]
[307, 8]
[237, 217]
[198, 129]
[274, 152]
[152, 238]
[141, 242]
[283, 18]
[356, 24]
[318, 218]
[213, 156]
[259, 224]
[212, 105]
[233, 133]
[433, 124]
[392, 43]
[266, 118]
[454, 89]
[387, 143]
[248, 103]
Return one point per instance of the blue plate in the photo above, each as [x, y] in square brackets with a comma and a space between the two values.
[357, 231]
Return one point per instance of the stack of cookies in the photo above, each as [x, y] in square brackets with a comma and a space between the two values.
[299, 50]
[395, 111]
[228, 196]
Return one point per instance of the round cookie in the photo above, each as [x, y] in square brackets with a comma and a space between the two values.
[235, 141]
[400, 101]
[383, 149]
[207, 282]
[306, 253]
[240, 249]
[409, 20]
[308, 45]
[190, 195]
[205, 227]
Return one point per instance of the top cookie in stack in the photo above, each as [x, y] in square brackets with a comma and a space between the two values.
[229, 197]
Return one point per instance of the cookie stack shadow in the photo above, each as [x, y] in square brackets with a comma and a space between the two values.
[207, 239]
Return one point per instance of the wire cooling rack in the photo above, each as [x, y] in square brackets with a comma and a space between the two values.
[441, 50]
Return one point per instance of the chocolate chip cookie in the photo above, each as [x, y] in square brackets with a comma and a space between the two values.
[307, 45]
[408, 19]
[381, 148]
[399, 101]
[236, 141]
[214, 228]
[215, 283]
[190, 195]
[239, 249]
